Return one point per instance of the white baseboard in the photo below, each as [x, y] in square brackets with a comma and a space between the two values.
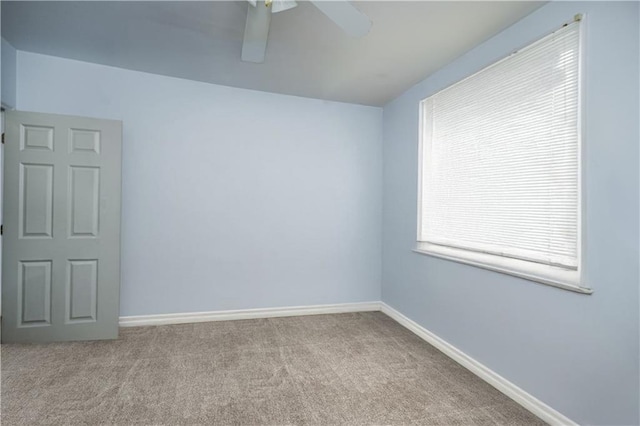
[191, 317]
[526, 400]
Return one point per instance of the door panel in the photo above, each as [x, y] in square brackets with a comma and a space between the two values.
[82, 290]
[84, 141]
[35, 205]
[38, 138]
[34, 293]
[61, 242]
[84, 196]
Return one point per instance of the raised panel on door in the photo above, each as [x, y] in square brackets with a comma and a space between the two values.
[36, 200]
[84, 196]
[61, 241]
[83, 140]
[34, 293]
[39, 138]
[82, 290]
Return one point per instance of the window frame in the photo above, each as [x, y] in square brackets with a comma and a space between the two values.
[567, 279]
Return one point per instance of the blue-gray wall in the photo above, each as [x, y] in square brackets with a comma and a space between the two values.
[232, 198]
[577, 353]
[8, 71]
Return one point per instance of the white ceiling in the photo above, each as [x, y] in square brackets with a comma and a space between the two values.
[307, 54]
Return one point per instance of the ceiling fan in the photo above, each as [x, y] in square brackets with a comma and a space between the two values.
[341, 12]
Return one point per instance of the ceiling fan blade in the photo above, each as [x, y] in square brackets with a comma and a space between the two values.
[346, 16]
[256, 32]
[282, 5]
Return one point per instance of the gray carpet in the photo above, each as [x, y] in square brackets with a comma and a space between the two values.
[348, 369]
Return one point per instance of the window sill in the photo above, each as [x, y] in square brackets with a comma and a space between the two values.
[544, 274]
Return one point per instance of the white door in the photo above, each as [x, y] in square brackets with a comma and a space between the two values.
[61, 230]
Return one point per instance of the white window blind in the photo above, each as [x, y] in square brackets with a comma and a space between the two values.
[500, 157]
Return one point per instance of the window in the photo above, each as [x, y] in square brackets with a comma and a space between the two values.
[500, 165]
